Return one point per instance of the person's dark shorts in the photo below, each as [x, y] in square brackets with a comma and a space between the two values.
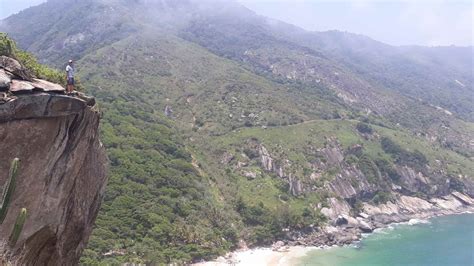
[70, 81]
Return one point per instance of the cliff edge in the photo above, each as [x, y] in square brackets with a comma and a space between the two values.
[52, 200]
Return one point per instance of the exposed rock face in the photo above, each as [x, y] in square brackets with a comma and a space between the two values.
[345, 229]
[61, 177]
[335, 209]
[352, 209]
[266, 159]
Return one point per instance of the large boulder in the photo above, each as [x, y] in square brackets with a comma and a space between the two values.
[21, 86]
[5, 80]
[16, 79]
[46, 86]
[13, 66]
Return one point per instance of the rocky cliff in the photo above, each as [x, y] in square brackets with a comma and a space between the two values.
[61, 172]
[358, 193]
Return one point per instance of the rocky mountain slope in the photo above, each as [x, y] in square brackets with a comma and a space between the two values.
[57, 181]
[227, 129]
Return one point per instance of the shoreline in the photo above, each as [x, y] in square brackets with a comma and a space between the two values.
[260, 256]
[286, 253]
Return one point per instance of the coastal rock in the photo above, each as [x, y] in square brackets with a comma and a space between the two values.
[277, 246]
[348, 222]
[447, 203]
[364, 226]
[336, 208]
[341, 220]
[466, 200]
[405, 204]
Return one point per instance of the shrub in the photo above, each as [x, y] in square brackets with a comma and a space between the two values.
[382, 197]
[388, 169]
[351, 159]
[364, 128]
[369, 169]
[415, 159]
[251, 153]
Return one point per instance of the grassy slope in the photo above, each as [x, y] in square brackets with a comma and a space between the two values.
[277, 56]
[204, 90]
[427, 73]
[295, 139]
[292, 142]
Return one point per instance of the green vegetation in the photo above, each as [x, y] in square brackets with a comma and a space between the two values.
[381, 197]
[387, 168]
[236, 84]
[20, 221]
[364, 128]
[369, 168]
[8, 189]
[158, 208]
[264, 226]
[415, 159]
[9, 48]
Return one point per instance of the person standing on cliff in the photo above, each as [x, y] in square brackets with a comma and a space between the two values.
[70, 76]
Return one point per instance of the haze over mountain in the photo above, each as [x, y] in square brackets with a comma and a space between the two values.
[270, 130]
[422, 22]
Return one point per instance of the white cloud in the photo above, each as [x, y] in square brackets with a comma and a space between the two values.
[422, 22]
[432, 23]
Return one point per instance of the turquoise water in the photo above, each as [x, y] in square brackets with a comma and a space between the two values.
[446, 240]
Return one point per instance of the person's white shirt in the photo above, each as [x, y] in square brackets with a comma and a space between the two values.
[70, 71]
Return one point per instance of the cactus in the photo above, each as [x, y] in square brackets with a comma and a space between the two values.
[20, 221]
[8, 189]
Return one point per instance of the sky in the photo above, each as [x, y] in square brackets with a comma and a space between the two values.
[396, 22]
[9, 7]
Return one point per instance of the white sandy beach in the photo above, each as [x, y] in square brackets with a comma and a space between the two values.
[260, 256]
[291, 254]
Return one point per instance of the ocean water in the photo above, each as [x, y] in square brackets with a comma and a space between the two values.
[446, 240]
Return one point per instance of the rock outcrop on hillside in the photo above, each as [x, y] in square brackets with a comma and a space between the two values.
[356, 204]
[61, 173]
